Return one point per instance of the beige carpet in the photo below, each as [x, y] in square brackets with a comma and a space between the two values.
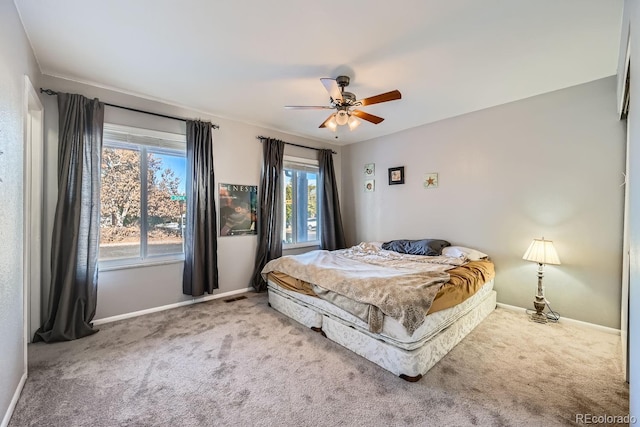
[244, 364]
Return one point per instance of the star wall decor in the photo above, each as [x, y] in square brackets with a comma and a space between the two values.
[430, 180]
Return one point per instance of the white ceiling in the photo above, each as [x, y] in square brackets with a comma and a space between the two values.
[246, 59]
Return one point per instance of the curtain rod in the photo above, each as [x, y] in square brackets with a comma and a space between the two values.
[295, 145]
[52, 92]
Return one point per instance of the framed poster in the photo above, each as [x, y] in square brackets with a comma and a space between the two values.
[238, 209]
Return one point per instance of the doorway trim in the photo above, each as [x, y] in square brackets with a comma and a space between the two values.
[33, 127]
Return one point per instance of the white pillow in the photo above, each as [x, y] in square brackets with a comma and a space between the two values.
[461, 251]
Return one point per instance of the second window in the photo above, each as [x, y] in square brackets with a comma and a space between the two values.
[302, 222]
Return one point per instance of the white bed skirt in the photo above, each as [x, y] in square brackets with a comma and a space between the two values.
[409, 364]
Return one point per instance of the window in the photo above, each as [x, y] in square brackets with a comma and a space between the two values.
[302, 221]
[142, 196]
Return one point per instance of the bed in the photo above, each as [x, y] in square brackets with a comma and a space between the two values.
[402, 305]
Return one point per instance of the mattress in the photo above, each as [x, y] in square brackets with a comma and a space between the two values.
[371, 283]
[464, 281]
[310, 310]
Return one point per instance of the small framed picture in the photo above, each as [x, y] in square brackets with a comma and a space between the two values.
[430, 180]
[370, 169]
[369, 185]
[396, 175]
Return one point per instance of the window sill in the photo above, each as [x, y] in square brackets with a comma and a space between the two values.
[286, 246]
[109, 266]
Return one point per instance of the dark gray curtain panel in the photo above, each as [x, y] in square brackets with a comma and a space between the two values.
[200, 272]
[332, 233]
[76, 227]
[270, 211]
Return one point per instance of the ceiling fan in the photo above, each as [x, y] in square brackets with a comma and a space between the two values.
[345, 104]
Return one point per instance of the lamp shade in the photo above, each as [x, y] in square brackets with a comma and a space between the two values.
[331, 124]
[353, 123]
[342, 117]
[542, 252]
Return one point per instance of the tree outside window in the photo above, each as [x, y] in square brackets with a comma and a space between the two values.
[142, 202]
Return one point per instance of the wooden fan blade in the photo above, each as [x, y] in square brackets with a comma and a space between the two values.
[332, 87]
[366, 116]
[324, 124]
[308, 107]
[383, 97]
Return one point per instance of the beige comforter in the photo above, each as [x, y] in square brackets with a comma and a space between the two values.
[388, 283]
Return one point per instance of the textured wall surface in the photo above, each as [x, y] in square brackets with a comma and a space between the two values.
[16, 60]
[550, 165]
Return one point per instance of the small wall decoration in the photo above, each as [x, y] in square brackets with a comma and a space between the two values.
[369, 185]
[430, 180]
[238, 204]
[370, 169]
[396, 175]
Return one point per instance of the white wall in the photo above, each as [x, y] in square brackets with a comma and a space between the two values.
[16, 60]
[545, 166]
[630, 32]
[237, 158]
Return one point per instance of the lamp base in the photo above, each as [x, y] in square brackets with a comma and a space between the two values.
[540, 304]
[538, 317]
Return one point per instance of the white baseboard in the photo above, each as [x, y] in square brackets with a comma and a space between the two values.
[14, 401]
[567, 320]
[169, 306]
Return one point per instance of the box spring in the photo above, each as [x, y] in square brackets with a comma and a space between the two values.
[409, 357]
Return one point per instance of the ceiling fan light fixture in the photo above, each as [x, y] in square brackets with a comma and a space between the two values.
[342, 117]
[332, 124]
[346, 105]
[353, 123]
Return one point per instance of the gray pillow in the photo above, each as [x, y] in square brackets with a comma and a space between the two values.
[430, 247]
